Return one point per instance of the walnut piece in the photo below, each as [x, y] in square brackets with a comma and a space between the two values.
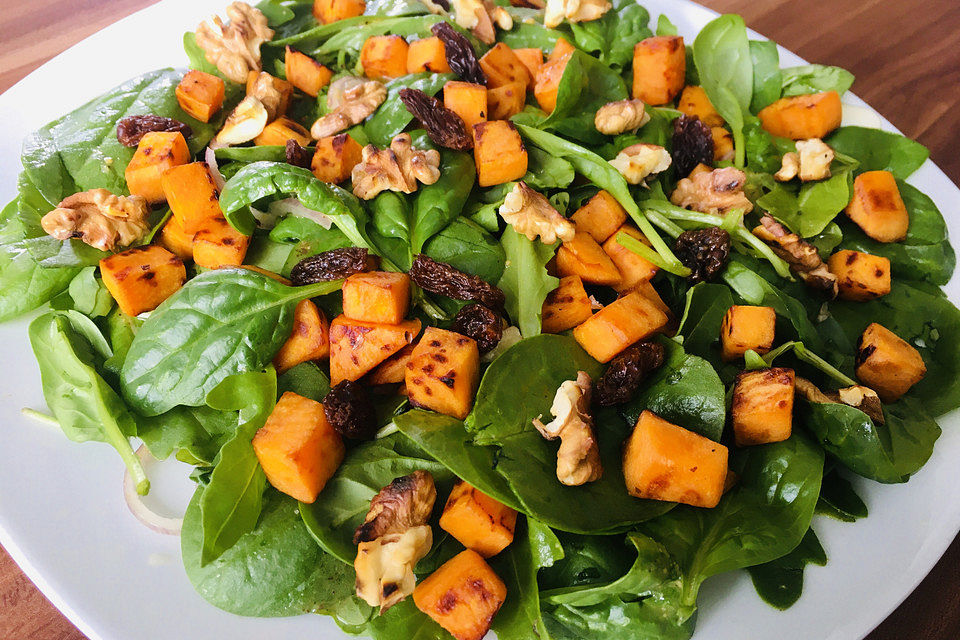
[803, 257]
[244, 123]
[811, 161]
[351, 100]
[266, 92]
[531, 214]
[714, 191]
[396, 169]
[480, 16]
[234, 47]
[617, 117]
[856, 396]
[578, 459]
[393, 538]
[99, 218]
[573, 11]
[639, 161]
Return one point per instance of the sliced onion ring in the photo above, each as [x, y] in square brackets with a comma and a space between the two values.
[149, 518]
[293, 207]
[210, 157]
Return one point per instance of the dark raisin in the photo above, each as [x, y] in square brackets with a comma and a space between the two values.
[443, 4]
[692, 145]
[439, 277]
[460, 54]
[481, 323]
[444, 127]
[349, 409]
[705, 251]
[333, 265]
[626, 372]
[297, 155]
[529, 4]
[132, 128]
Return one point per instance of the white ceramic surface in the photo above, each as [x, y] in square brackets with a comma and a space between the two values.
[63, 519]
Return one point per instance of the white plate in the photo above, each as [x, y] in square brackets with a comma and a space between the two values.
[62, 515]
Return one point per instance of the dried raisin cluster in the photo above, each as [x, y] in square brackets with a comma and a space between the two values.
[481, 323]
[444, 127]
[460, 54]
[441, 278]
[704, 251]
[332, 265]
[132, 128]
[626, 372]
[297, 155]
[692, 145]
[349, 409]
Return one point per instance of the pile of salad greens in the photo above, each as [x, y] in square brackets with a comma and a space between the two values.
[193, 378]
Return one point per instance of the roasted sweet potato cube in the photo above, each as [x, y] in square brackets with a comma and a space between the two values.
[663, 461]
[467, 100]
[309, 338]
[583, 257]
[502, 66]
[763, 406]
[327, 11]
[192, 195]
[462, 596]
[800, 117]
[280, 130]
[335, 158]
[887, 363]
[562, 49]
[356, 347]
[175, 239]
[304, 72]
[860, 276]
[633, 269]
[498, 152]
[297, 448]
[284, 88]
[507, 100]
[646, 289]
[478, 521]
[659, 69]
[157, 152]
[722, 144]
[618, 325]
[377, 296]
[566, 306]
[200, 94]
[443, 372]
[694, 102]
[600, 216]
[428, 54]
[393, 370]
[547, 83]
[384, 57]
[532, 59]
[746, 327]
[217, 244]
[877, 208]
[139, 279]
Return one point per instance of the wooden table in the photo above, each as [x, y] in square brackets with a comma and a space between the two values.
[905, 54]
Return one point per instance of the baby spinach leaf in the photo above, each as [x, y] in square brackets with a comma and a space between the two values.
[466, 246]
[197, 56]
[587, 84]
[780, 582]
[546, 171]
[767, 77]
[838, 499]
[405, 621]
[525, 281]
[665, 27]
[392, 117]
[396, 8]
[439, 204]
[259, 153]
[815, 78]
[200, 431]
[530, 34]
[614, 35]
[706, 305]
[879, 150]
[88, 295]
[220, 323]
[390, 227]
[344, 42]
[306, 379]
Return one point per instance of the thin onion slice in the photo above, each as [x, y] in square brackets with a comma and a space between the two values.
[210, 156]
[149, 518]
[293, 207]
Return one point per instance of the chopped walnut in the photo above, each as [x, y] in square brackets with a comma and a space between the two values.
[351, 101]
[234, 47]
[578, 459]
[244, 123]
[531, 214]
[639, 161]
[396, 169]
[393, 538]
[857, 396]
[811, 161]
[623, 115]
[573, 11]
[99, 219]
[480, 16]
[714, 191]
[266, 92]
[803, 257]
[500, 16]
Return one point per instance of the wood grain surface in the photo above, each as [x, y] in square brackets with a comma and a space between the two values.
[905, 54]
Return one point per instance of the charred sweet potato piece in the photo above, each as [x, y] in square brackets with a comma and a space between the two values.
[659, 69]
[722, 144]
[498, 152]
[618, 325]
[506, 100]
[694, 102]
[887, 363]
[800, 117]
[139, 279]
[566, 306]
[532, 59]
[443, 372]
[547, 83]
[309, 339]
[217, 244]
[297, 448]
[335, 158]
[356, 347]
[377, 296]
[877, 208]
[175, 239]
[600, 216]
[662, 461]
[502, 67]
[646, 289]
[157, 152]
[478, 521]
[327, 11]
[633, 268]
[462, 596]
[467, 100]
[763, 406]
[860, 276]
[747, 327]
[583, 257]
[192, 195]
[562, 49]
[427, 54]
[280, 130]
[304, 72]
[200, 94]
[393, 370]
[384, 57]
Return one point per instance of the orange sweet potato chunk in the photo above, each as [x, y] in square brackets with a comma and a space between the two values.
[297, 448]
[478, 521]
[192, 195]
[377, 296]
[566, 306]
[443, 372]
[327, 11]
[887, 363]
[462, 596]
[800, 117]
[507, 100]
[694, 102]
[722, 144]
[280, 130]
[356, 347]
[562, 49]
[532, 59]
[600, 216]
[763, 406]
[304, 72]
[157, 152]
[633, 269]
[393, 370]
[659, 68]
[547, 83]
[878, 208]
[200, 94]
[618, 325]
[860, 276]
[139, 279]
[467, 100]
[502, 67]
[217, 244]
[175, 239]
[309, 339]
[662, 461]
[335, 158]
[746, 328]
[498, 152]
[583, 257]
[384, 57]
[428, 54]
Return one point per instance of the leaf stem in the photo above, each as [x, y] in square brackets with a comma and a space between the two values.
[40, 416]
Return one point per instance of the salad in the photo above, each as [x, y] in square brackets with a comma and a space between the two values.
[526, 317]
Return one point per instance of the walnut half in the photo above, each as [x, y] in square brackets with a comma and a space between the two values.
[639, 161]
[235, 46]
[245, 122]
[350, 100]
[531, 214]
[811, 161]
[578, 459]
[714, 191]
[617, 117]
[573, 11]
[397, 168]
[857, 396]
[803, 257]
[99, 218]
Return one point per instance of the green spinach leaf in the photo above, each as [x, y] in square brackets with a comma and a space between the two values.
[780, 582]
[879, 150]
[525, 281]
[815, 78]
[767, 77]
[614, 35]
[392, 117]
